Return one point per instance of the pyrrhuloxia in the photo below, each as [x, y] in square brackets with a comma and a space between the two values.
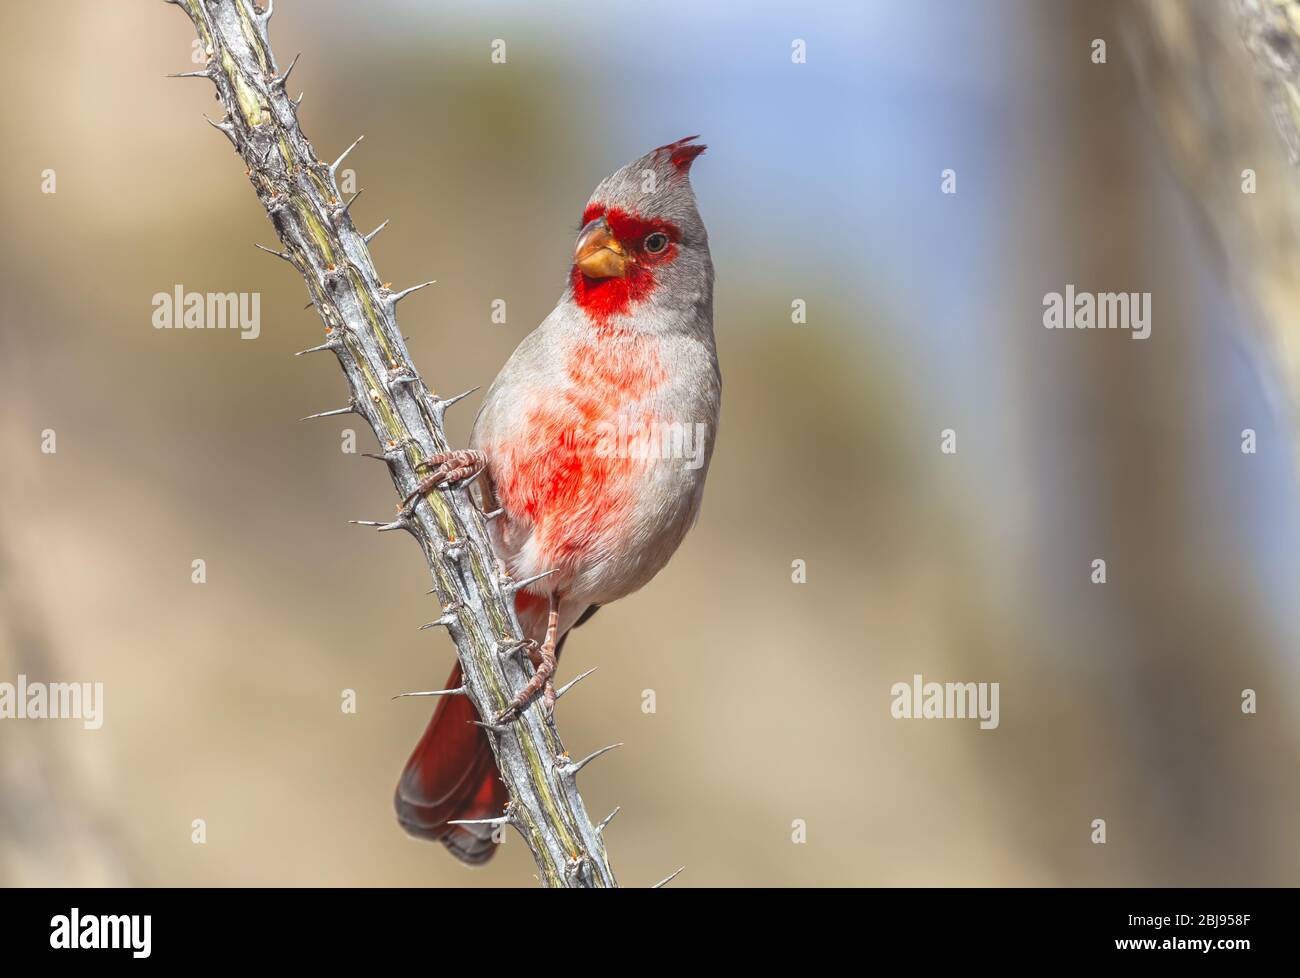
[596, 436]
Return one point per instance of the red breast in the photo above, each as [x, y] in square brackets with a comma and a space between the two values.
[560, 475]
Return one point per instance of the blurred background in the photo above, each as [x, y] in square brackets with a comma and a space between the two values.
[822, 182]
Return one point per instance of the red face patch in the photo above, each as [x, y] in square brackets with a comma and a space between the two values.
[604, 298]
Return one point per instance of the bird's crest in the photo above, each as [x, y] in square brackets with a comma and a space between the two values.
[681, 153]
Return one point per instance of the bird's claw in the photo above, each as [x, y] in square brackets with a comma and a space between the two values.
[543, 659]
[507, 716]
[512, 712]
[448, 468]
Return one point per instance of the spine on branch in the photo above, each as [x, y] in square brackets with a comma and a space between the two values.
[318, 238]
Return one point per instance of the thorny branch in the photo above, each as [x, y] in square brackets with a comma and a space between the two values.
[302, 198]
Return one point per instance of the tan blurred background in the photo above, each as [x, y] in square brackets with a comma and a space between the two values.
[1118, 701]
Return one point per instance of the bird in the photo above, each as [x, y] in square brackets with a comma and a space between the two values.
[595, 441]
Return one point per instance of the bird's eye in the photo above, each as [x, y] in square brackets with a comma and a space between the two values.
[656, 242]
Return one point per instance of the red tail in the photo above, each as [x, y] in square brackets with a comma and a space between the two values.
[452, 775]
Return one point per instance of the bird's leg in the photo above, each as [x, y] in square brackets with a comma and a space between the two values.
[545, 668]
[448, 467]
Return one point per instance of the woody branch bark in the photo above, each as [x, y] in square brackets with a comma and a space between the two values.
[302, 199]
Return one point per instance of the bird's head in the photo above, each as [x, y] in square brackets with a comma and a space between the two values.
[642, 240]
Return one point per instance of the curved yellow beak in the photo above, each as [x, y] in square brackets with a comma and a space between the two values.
[598, 254]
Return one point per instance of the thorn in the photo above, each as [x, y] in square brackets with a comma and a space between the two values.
[571, 769]
[190, 74]
[496, 728]
[489, 517]
[446, 621]
[327, 345]
[342, 156]
[225, 126]
[608, 818]
[279, 81]
[375, 455]
[511, 587]
[272, 251]
[458, 691]
[265, 15]
[668, 879]
[298, 100]
[501, 820]
[350, 409]
[369, 236]
[344, 209]
[391, 453]
[573, 682]
[396, 297]
[441, 404]
[383, 527]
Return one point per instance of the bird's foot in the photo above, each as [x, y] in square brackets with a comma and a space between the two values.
[544, 663]
[448, 468]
